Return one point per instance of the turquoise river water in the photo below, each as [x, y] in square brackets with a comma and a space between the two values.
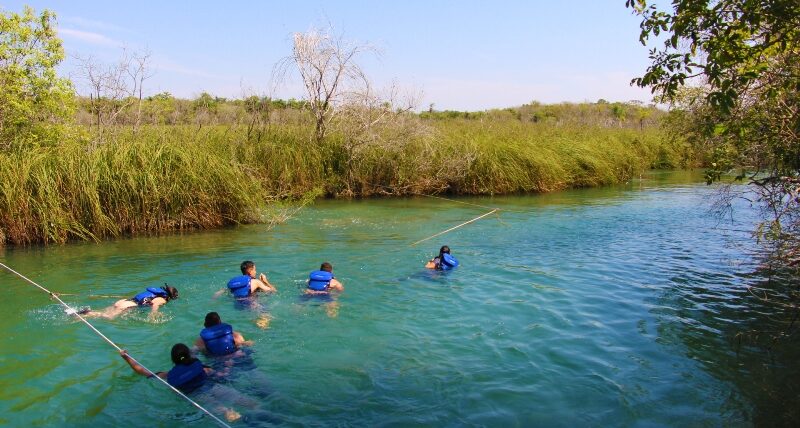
[597, 307]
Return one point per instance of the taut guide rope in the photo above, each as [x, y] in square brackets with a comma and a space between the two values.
[493, 210]
[456, 227]
[72, 311]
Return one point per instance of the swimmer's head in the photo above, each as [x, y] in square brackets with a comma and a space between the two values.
[181, 354]
[444, 250]
[172, 292]
[327, 267]
[212, 319]
[246, 266]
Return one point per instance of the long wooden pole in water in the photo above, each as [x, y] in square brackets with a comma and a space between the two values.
[88, 324]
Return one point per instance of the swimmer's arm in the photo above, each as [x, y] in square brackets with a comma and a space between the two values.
[264, 285]
[263, 278]
[430, 265]
[138, 367]
[238, 339]
[336, 285]
[201, 346]
[220, 292]
[157, 302]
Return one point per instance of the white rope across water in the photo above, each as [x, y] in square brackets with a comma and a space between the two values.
[73, 312]
[456, 201]
[456, 227]
[493, 210]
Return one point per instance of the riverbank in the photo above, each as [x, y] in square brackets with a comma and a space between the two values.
[163, 178]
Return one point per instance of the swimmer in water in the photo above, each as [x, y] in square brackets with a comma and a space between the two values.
[218, 338]
[321, 284]
[246, 285]
[153, 297]
[187, 374]
[322, 281]
[444, 261]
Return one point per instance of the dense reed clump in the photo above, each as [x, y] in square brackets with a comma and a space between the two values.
[468, 157]
[54, 194]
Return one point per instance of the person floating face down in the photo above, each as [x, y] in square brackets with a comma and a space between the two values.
[444, 261]
[323, 281]
[187, 375]
[246, 284]
[218, 338]
[153, 297]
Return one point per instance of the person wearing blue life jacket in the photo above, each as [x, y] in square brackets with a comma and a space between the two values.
[152, 297]
[218, 338]
[187, 375]
[247, 284]
[322, 281]
[244, 286]
[444, 261]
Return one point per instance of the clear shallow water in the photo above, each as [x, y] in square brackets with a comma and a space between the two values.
[590, 307]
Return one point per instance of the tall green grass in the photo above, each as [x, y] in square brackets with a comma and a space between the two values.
[469, 157]
[71, 192]
[181, 177]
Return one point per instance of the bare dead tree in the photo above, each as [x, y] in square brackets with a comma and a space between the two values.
[327, 67]
[138, 72]
[370, 116]
[258, 112]
[342, 99]
[114, 88]
[376, 118]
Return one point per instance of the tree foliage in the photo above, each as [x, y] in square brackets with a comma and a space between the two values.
[733, 44]
[732, 68]
[33, 99]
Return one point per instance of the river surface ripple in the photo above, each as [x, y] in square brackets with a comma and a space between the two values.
[590, 307]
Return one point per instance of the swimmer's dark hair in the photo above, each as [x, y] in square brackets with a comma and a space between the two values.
[181, 354]
[444, 250]
[245, 266]
[327, 267]
[212, 319]
[172, 292]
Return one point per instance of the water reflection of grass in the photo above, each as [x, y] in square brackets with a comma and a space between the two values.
[744, 339]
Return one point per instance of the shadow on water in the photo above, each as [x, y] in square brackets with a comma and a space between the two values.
[238, 384]
[741, 327]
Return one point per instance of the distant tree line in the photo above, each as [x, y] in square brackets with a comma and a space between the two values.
[207, 109]
[632, 114]
[165, 109]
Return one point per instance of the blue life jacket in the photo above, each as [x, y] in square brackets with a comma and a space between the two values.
[187, 377]
[319, 280]
[145, 297]
[219, 339]
[240, 285]
[447, 262]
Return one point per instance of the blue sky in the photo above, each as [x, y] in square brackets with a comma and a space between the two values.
[464, 55]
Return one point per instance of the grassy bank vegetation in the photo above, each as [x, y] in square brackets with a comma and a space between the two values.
[177, 177]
